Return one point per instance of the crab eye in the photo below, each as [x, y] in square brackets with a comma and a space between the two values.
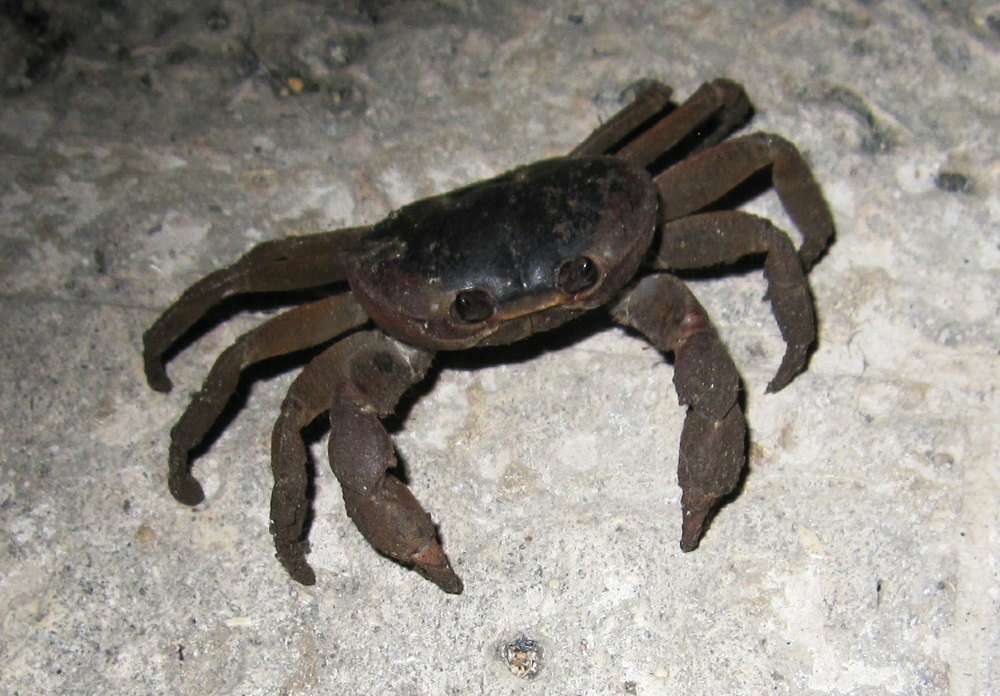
[577, 275]
[473, 306]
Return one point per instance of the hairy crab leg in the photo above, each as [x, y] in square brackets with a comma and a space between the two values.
[282, 264]
[651, 99]
[360, 379]
[714, 436]
[721, 105]
[705, 177]
[296, 329]
[708, 239]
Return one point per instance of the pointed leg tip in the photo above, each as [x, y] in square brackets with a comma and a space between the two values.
[156, 377]
[307, 576]
[697, 510]
[292, 557]
[163, 386]
[779, 382]
[451, 584]
[691, 530]
[442, 576]
[792, 364]
[433, 564]
[186, 489]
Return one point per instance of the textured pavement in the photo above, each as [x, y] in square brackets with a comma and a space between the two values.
[143, 145]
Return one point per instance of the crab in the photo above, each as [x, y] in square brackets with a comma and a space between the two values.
[606, 225]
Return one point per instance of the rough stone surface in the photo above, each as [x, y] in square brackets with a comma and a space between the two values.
[143, 144]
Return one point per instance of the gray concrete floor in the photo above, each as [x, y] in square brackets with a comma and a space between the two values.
[862, 554]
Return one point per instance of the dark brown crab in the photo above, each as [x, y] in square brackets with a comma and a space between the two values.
[492, 263]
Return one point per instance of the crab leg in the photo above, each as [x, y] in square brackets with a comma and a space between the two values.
[296, 329]
[282, 264]
[359, 380]
[714, 436]
[722, 237]
[650, 100]
[722, 104]
[705, 177]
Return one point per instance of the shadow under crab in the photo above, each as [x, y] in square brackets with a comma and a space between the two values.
[492, 263]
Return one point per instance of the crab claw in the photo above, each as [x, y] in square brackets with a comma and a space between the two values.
[393, 522]
[433, 564]
[696, 509]
[711, 461]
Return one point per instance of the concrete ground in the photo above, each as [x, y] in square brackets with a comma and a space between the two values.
[143, 145]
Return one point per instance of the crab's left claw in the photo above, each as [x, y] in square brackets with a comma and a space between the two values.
[359, 380]
[392, 521]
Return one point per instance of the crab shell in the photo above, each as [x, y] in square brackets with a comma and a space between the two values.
[508, 238]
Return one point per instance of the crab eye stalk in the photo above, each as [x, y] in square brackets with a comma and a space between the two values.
[473, 306]
[577, 275]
